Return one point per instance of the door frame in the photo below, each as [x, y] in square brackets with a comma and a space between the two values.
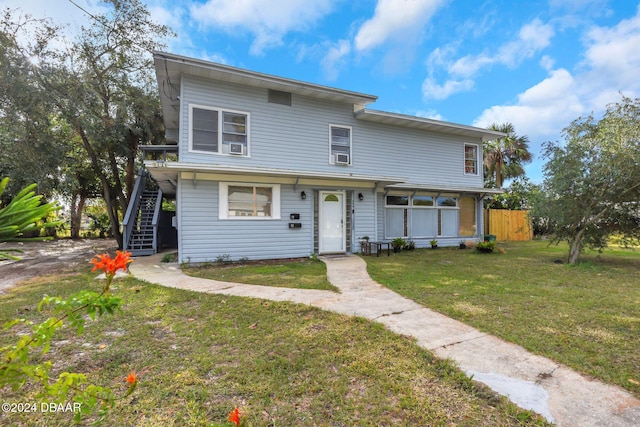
[321, 196]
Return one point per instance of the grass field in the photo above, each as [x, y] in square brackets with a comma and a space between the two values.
[586, 316]
[199, 355]
[301, 273]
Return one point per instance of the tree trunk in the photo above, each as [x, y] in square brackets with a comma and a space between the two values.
[77, 206]
[117, 190]
[575, 247]
[112, 211]
[112, 208]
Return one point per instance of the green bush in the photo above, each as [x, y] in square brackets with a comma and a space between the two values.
[486, 247]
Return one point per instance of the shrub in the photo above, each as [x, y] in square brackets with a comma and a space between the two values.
[486, 246]
[22, 218]
[398, 243]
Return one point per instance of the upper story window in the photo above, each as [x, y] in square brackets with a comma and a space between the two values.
[340, 145]
[470, 159]
[218, 131]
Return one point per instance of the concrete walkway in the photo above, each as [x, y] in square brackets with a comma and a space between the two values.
[533, 382]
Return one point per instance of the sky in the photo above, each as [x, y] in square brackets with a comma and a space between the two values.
[537, 64]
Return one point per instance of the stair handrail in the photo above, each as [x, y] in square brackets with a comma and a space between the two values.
[128, 221]
[156, 219]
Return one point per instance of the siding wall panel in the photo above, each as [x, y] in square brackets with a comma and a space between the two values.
[204, 237]
[297, 137]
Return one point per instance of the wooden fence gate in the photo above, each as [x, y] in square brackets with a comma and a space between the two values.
[508, 225]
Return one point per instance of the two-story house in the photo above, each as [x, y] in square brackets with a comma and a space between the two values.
[269, 167]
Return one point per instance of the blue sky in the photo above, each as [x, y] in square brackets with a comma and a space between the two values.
[536, 64]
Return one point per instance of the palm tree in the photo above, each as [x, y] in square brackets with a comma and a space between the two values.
[504, 157]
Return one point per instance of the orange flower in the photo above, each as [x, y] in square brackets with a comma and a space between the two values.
[234, 416]
[110, 265]
[132, 378]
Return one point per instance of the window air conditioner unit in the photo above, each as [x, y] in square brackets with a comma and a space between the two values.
[235, 148]
[342, 159]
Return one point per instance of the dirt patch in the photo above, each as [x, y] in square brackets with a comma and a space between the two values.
[52, 257]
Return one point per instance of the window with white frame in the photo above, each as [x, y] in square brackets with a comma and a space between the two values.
[249, 201]
[471, 159]
[340, 145]
[447, 216]
[218, 131]
[421, 216]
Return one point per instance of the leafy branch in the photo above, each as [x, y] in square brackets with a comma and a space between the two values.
[21, 215]
[16, 369]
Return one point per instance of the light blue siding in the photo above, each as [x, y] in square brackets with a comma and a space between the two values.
[203, 237]
[297, 137]
[363, 218]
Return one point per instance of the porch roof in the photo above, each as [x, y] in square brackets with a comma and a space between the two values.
[166, 174]
[443, 188]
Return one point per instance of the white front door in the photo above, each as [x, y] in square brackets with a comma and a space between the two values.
[332, 237]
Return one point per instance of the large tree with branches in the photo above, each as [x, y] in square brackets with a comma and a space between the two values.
[591, 188]
[102, 89]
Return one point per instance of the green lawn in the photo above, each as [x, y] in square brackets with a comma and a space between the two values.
[198, 355]
[301, 273]
[586, 316]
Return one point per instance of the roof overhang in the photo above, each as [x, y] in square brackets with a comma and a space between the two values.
[440, 188]
[427, 124]
[167, 174]
[170, 67]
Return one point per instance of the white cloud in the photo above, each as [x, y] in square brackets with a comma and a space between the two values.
[612, 61]
[335, 59]
[429, 114]
[540, 113]
[532, 38]
[469, 65]
[547, 62]
[610, 66]
[542, 110]
[267, 21]
[432, 90]
[395, 19]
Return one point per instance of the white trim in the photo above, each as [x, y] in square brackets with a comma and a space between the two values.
[321, 195]
[406, 121]
[179, 220]
[223, 201]
[464, 157]
[220, 111]
[351, 179]
[331, 159]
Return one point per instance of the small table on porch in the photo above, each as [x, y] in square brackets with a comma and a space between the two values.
[366, 247]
